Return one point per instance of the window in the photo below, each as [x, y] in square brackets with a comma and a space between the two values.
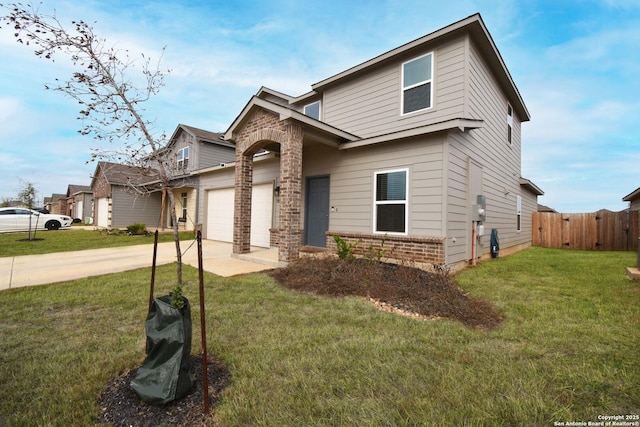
[313, 110]
[184, 207]
[509, 123]
[183, 158]
[518, 213]
[417, 84]
[390, 210]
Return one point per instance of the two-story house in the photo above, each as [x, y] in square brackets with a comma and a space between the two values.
[118, 201]
[190, 149]
[394, 151]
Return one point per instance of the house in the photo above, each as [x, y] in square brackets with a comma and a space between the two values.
[56, 204]
[189, 149]
[634, 199]
[117, 203]
[80, 202]
[416, 152]
[543, 208]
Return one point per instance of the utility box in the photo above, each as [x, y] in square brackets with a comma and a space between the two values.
[478, 210]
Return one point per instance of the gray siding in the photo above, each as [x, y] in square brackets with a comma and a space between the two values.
[87, 205]
[500, 162]
[352, 181]
[128, 209]
[370, 105]
[209, 155]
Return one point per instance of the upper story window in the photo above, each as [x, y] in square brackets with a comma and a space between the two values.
[183, 158]
[313, 110]
[509, 123]
[417, 84]
[390, 204]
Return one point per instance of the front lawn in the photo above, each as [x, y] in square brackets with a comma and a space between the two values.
[566, 350]
[16, 244]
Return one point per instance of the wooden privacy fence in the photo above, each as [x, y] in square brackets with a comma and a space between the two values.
[602, 230]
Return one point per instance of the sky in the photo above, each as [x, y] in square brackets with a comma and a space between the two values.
[575, 62]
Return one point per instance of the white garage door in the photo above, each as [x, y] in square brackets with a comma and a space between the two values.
[220, 214]
[103, 212]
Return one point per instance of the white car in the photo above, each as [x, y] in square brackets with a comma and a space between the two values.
[18, 219]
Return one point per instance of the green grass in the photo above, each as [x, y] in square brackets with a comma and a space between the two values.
[567, 351]
[14, 244]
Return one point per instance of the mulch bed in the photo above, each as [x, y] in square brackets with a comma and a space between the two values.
[120, 405]
[406, 289]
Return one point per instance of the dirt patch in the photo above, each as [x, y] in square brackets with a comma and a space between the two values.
[392, 287]
[120, 405]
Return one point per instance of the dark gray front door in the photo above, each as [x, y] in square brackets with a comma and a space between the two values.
[317, 211]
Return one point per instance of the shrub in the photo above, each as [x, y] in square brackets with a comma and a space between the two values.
[345, 249]
[375, 254]
[137, 229]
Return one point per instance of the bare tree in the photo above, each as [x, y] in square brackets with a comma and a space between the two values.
[103, 85]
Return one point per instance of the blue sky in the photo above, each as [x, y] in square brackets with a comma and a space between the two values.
[576, 64]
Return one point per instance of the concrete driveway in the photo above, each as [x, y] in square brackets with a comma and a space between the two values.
[31, 270]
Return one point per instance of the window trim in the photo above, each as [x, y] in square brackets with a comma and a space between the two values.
[509, 124]
[304, 109]
[181, 164]
[403, 89]
[376, 203]
[183, 202]
[518, 213]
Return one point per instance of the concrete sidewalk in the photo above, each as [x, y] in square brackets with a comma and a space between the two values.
[31, 270]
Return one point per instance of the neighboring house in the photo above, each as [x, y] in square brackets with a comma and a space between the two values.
[190, 149]
[116, 204]
[394, 151]
[56, 204]
[80, 203]
[543, 208]
[634, 199]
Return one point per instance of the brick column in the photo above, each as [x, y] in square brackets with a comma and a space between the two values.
[260, 129]
[242, 203]
[290, 193]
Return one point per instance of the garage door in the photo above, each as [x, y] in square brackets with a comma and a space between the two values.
[220, 214]
[103, 212]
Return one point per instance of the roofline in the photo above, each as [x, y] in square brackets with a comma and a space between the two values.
[475, 26]
[461, 124]
[269, 91]
[531, 186]
[258, 157]
[188, 129]
[631, 196]
[284, 113]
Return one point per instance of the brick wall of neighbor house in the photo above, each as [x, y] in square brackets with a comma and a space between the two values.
[421, 250]
[101, 187]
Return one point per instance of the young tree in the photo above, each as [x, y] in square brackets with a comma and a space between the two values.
[27, 196]
[111, 88]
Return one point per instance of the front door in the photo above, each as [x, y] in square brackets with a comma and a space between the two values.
[317, 211]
